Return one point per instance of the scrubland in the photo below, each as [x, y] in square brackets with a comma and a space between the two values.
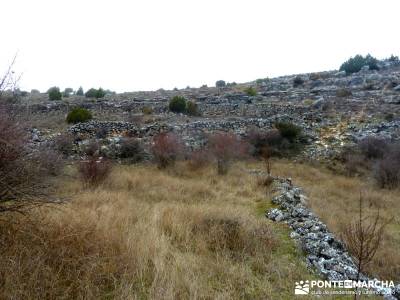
[151, 234]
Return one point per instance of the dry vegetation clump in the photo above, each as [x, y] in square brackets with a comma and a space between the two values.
[226, 147]
[94, 170]
[151, 234]
[21, 172]
[335, 199]
[199, 159]
[167, 148]
[377, 157]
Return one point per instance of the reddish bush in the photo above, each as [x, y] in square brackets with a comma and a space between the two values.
[261, 140]
[94, 171]
[226, 147]
[166, 148]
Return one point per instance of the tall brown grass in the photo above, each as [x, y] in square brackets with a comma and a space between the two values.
[150, 234]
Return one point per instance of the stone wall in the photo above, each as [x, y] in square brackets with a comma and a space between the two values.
[324, 252]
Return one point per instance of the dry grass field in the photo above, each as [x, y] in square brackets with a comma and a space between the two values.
[335, 199]
[151, 234]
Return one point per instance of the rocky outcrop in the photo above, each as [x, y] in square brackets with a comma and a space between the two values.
[325, 253]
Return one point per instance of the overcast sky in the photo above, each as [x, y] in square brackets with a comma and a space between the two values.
[128, 45]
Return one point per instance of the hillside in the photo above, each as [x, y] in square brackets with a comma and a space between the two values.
[230, 192]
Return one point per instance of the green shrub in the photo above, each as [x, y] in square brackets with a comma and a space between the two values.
[393, 58]
[288, 130]
[220, 84]
[250, 91]
[94, 93]
[297, 81]
[354, 64]
[177, 104]
[100, 93]
[54, 93]
[192, 109]
[78, 115]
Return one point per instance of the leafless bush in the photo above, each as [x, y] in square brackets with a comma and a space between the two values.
[92, 148]
[259, 139]
[354, 164]
[94, 171]
[387, 170]
[64, 143]
[132, 149]
[50, 161]
[166, 148]
[373, 147]
[226, 147]
[20, 180]
[9, 80]
[363, 238]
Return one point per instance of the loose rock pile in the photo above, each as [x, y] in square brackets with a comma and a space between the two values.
[324, 251]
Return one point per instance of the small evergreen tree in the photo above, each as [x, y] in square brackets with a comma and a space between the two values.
[91, 93]
[177, 104]
[100, 93]
[79, 92]
[220, 84]
[54, 93]
[288, 130]
[355, 64]
[79, 115]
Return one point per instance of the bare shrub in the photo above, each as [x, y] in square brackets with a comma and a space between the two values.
[20, 178]
[92, 148]
[94, 171]
[64, 143]
[267, 144]
[166, 148]
[363, 238]
[226, 147]
[387, 172]
[50, 161]
[132, 149]
[373, 147]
